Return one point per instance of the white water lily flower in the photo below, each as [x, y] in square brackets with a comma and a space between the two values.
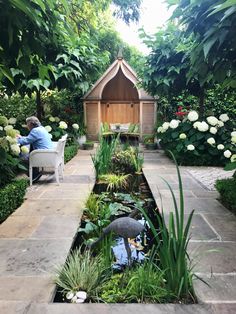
[211, 141]
[220, 124]
[182, 136]
[233, 158]
[48, 128]
[70, 295]
[165, 125]
[81, 295]
[203, 126]
[63, 125]
[213, 130]
[15, 149]
[52, 119]
[190, 147]
[12, 121]
[220, 147]
[233, 139]
[227, 153]
[233, 133]
[224, 117]
[24, 150]
[212, 120]
[8, 127]
[196, 124]
[1, 128]
[75, 126]
[193, 116]
[174, 124]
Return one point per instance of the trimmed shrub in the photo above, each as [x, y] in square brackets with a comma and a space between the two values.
[227, 188]
[11, 197]
[70, 152]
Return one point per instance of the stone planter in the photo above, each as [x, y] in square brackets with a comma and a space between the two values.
[81, 140]
[88, 145]
[151, 146]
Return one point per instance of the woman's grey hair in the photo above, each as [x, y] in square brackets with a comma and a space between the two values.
[33, 121]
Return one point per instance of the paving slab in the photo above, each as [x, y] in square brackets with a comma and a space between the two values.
[14, 307]
[32, 257]
[213, 257]
[52, 226]
[118, 309]
[31, 288]
[199, 229]
[34, 207]
[221, 288]
[224, 308]
[19, 226]
[224, 224]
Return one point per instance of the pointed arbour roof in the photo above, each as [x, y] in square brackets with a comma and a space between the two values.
[118, 66]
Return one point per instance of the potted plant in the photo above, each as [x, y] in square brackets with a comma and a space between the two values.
[88, 145]
[81, 135]
[149, 141]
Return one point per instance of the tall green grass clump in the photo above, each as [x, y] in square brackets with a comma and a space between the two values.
[171, 245]
[103, 157]
[81, 272]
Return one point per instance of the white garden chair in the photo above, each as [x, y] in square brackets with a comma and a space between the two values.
[49, 158]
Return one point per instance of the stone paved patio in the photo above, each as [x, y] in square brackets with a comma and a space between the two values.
[39, 234]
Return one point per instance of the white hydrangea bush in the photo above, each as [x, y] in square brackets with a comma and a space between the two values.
[196, 141]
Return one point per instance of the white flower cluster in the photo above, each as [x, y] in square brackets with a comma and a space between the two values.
[76, 297]
[63, 125]
[54, 119]
[12, 121]
[173, 124]
[75, 126]
[193, 116]
[233, 137]
[201, 126]
[48, 128]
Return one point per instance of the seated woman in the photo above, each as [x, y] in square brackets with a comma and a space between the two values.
[38, 138]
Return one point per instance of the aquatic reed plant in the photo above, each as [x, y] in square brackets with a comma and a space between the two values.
[171, 245]
[102, 159]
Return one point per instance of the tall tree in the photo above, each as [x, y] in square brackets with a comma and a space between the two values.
[211, 23]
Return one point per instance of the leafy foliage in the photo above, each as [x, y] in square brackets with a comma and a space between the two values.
[8, 203]
[70, 152]
[227, 188]
[213, 53]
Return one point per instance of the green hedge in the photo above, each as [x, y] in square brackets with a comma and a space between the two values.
[227, 188]
[11, 197]
[70, 152]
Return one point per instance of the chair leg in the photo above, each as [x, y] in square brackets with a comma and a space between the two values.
[57, 175]
[31, 175]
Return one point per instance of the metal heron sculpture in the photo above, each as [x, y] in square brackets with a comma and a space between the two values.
[125, 227]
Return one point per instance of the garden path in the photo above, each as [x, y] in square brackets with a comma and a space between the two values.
[38, 236]
[213, 238]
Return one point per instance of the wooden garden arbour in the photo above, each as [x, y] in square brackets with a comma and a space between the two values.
[115, 98]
